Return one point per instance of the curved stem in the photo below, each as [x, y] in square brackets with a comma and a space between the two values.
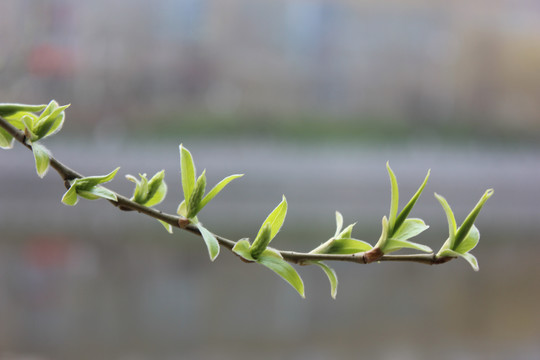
[300, 258]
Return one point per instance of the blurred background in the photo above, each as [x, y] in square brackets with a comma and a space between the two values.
[308, 98]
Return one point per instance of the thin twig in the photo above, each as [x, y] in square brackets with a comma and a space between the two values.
[300, 258]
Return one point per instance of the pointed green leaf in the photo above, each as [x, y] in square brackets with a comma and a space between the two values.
[407, 209]
[7, 109]
[86, 194]
[283, 269]
[243, 249]
[452, 227]
[383, 239]
[347, 232]
[446, 246]
[59, 115]
[51, 106]
[394, 245]
[91, 181]
[332, 277]
[261, 241]
[187, 168]
[470, 241]
[157, 196]
[470, 258]
[97, 192]
[216, 189]
[6, 140]
[349, 246]
[409, 229]
[193, 204]
[167, 226]
[343, 246]
[41, 156]
[394, 200]
[157, 189]
[50, 122]
[469, 220]
[16, 120]
[182, 209]
[132, 178]
[104, 178]
[141, 188]
[29, 120]
[211, 242]
[276, 218]
[339, 223]
[70, 197]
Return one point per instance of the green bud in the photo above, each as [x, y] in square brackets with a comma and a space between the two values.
[261, 241]
[196, 196]
[50, 121]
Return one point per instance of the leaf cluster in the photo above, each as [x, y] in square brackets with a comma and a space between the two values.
[195, 200]
[36, 127]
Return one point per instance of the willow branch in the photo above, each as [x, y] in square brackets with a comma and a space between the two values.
[123, 203]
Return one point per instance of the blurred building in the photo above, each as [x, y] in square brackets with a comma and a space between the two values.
[414, 61]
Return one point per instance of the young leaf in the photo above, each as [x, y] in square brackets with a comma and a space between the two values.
[211, 242]
[187, 167]
[216, 189]
[343, 246]
[16, 119]
[407, 209]
[457, 236]
[394, 245]
[470, 241]
[87, 187]
[346, 233]
[276, 218]
[383, 239]
[149, 193]
[91, 181]
[470, 258]
[141, 188]
[70, 197]
[394, 199]
[275, 263]
[452, 227]
[157, 189]
[193, 204]
[182, 209]
[51, 106]
[29, 120]
[6, 140]
[409, 229]
[454, 248]
[469, 220]
[50, 121]
[332, 277]
[243, 249]
[97, 192]
[339, 223]
[7, 109]
[167, 226]
[41, 156]
[261, 241]
[342, 241]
